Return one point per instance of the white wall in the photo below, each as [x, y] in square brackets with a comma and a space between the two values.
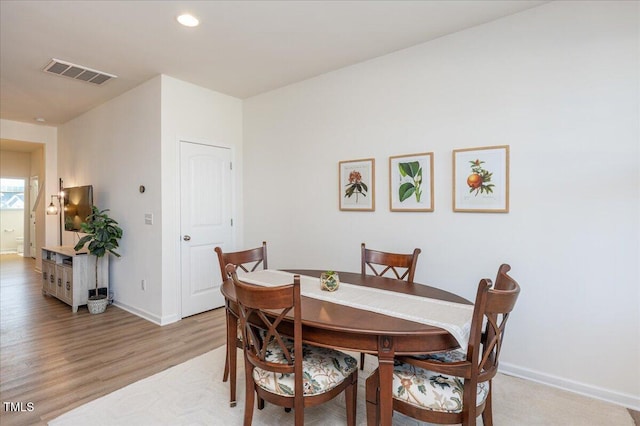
[191, 113]
[559, 84]
[116, 148]
[47, 135]
[131, 141]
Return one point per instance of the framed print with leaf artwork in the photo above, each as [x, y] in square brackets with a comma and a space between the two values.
[481, 179]
[357, 184]
[411, 183]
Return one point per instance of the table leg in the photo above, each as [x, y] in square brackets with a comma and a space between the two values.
[386, 353]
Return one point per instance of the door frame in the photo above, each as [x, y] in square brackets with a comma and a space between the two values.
[33, 204]
[178, 213]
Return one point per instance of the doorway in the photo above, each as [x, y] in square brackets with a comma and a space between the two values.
[12, 215]
[205, 222]
[26, 160]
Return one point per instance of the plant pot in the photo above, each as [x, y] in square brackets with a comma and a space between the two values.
[329, 281]
[97, 304]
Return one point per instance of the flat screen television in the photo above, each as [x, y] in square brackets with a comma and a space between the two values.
[77, 206]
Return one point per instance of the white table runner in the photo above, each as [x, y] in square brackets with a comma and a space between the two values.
[451, 316]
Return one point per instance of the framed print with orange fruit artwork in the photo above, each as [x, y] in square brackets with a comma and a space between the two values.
[481, 179]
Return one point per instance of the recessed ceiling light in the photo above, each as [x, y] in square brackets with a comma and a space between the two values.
[188, 20]
[40, 119]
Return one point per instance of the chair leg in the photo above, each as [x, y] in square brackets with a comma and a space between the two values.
[362, 361]
[372, 395]
[487, 414]
[233, 374]
[250, 394]
[225, 376]
[351, 399]
[233, 381]
[471, 421]
[299, 417]
[232, 356]
[469, 411]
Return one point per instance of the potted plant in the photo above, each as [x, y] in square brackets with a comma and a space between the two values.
[102, 234]
[329, 281]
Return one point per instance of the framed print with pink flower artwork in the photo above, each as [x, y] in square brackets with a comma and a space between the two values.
[357, 184]
[481, 179]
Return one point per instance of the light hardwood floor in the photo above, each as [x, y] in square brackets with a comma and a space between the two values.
[57, 360]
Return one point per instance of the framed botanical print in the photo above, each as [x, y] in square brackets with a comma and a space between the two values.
[481, 179]
[411, 183]
[357, 184]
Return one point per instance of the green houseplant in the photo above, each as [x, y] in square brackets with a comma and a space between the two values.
[102, 234]
[329, 281]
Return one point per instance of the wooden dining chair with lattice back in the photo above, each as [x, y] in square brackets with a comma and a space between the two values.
[247, 261]
[402, 266]
[454, 386]
[395, 265]
[282, 371]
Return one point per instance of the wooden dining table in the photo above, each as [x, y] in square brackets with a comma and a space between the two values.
[342, 327]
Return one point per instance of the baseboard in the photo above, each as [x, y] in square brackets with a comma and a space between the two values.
[147, 315]
[618, 398]
[170, 319]
[139, 312]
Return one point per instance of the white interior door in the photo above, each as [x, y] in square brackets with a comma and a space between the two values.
[205, 214]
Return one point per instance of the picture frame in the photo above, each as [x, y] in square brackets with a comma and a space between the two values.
[481, 179]
[411, 183]
[356, 180]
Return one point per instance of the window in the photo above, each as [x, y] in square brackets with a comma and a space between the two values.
[11, 194]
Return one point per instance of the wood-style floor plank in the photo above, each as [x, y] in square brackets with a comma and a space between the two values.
[58, 360]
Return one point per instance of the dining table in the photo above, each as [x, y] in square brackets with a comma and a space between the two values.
[328, 323]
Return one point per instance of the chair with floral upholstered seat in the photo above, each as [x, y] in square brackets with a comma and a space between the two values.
[248, 261]
[454, 386]
[282, 371]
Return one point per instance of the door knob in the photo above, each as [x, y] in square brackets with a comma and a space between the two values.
[186, 237]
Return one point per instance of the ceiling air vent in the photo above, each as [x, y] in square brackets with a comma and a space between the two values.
[77, 72]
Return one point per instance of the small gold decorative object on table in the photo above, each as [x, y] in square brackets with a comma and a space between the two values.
[329, 281]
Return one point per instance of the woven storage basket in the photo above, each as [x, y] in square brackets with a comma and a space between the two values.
[97, 306]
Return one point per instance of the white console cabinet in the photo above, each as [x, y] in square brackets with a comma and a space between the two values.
[69, 275]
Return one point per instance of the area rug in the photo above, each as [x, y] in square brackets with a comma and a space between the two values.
[193, 393]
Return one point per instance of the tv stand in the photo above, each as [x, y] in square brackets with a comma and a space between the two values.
[70, 276]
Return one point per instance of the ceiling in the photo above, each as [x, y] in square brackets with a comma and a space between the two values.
[241, 48]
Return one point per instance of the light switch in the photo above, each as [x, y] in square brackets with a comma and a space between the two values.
[148, 218]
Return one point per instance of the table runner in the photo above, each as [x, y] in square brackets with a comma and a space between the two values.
[451, 316]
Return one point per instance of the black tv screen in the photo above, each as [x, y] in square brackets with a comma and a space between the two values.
[77, 206]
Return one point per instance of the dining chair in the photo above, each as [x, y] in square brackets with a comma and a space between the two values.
[248, 261]
[282, 371]
[402, 266]
[454, 386]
